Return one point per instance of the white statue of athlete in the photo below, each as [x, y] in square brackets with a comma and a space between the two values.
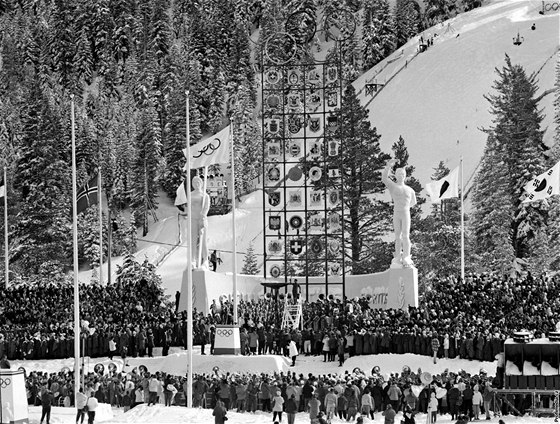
[404, 198]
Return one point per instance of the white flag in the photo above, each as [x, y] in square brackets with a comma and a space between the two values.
[445, 188]
[2, 191]
[215, 149]
[181, 195]
[544, 186]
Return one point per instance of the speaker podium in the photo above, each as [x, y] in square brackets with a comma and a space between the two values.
[13, 397]
[227, 341]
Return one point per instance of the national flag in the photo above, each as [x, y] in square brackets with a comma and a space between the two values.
[214, 150]
[544, 186]
[180, 195]
[2, 191]
[88, 195]
[444, 188]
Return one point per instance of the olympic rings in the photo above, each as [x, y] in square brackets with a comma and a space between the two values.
[224, 332]
[5, 382]
[551, 6]
[209, 147]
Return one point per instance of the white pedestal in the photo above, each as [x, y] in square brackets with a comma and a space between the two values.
[13, 398]
[227, 340]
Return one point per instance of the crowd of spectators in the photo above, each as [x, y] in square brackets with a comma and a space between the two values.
[468, 319]
[346, 395]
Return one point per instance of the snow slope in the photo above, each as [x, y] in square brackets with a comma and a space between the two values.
[436, 102]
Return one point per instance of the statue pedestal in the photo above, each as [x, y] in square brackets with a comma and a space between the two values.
[396, 288]
[227, 341]
[13, 398]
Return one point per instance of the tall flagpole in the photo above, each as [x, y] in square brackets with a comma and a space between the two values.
[233, 232]
[75, 245]
[6, 250]
[462, 226]
[100, 201]
[189, 265]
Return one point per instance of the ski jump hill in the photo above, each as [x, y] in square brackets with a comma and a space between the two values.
[434, 99]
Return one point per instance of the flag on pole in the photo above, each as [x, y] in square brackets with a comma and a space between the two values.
[213, 150]
[181, 195]
[544, 186]
[2, 191]
[87, 195]
[444, 188]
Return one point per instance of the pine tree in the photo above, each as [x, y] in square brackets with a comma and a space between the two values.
[250, 266]
[438, 10]
[361, 164]
[519, 144]
[408, 20]
[146, 164]
[42, 233]
[378, 32]
[492, 213]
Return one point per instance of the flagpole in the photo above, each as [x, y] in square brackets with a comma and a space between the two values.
[233, 232]
[75, 246]
[189, 264]
[99, 194]
[6, 258]
[200, 260]
[462, 226]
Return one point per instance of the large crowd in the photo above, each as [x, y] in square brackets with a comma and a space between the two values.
[347, 395]
[469, 319]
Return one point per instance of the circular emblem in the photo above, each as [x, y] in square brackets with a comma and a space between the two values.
[224, 332]
[5, 382]
[99, 368]
[275, 271]
[280, 48]
[302, 26]
[272, 76]
[216, 369]
[316, 246]
[315, 173]
[273, 101]
[296, 222]
[340, 24]
[274, 174]
[295, 173]
[143, 369]
[295, 149]
[112, 367]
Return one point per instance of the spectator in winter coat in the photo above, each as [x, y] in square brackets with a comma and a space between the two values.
[47, 399]
[92, 405]
[81, 400]
[435, 346]
[368, 406]
[433, 408]
[394, 394]
[293, 352]
[446, 346]
[389, 415]
[330, 403]
[453, 395]
[487, 397]
[291, 409]
[314, 406]
[342, 406]
[219, 412]
[277, 406]
[476, 402]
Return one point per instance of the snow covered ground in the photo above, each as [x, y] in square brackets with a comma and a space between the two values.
[436, 102]
[176, 363]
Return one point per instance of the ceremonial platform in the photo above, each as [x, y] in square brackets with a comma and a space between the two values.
[396, 288]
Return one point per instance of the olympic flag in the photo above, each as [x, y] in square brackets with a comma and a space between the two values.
[214, 150]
